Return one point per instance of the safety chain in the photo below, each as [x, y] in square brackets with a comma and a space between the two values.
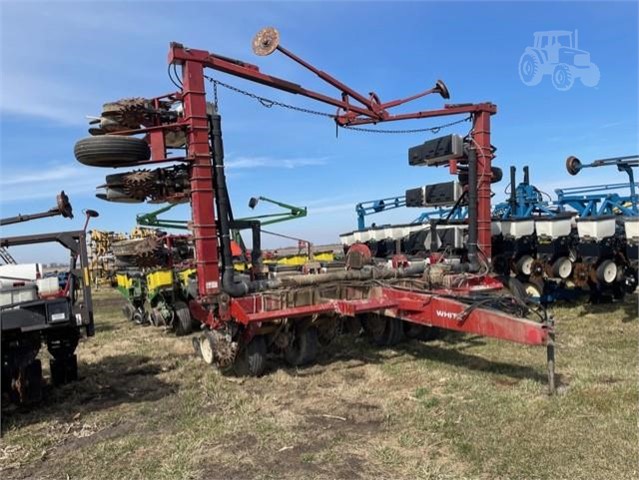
[264, 101]
[268, 103]
[413, 130]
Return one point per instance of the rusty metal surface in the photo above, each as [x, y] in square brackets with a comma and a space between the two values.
[266, 41]
[140, 184]
[424, 308]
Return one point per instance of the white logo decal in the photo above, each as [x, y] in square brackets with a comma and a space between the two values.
[557, 54]
[445, 314]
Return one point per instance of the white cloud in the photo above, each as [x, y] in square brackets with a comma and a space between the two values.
[32, 95]
[55, 173]
[49, 63]
[272, 162]
[46, 183]
[342, 207]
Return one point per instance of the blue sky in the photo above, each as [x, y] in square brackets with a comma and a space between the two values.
[61, 61]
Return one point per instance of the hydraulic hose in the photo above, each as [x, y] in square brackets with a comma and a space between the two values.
[513, 188]
[368, 273]
[235, 288]
[473, 264]
[231, 285]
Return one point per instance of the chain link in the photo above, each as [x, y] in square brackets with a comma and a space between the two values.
[265, 102]
[268, 103]
[412, 130]
[215, 99]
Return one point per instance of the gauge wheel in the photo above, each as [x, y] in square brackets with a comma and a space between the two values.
[607, 272]
[421, 332]
[524, 265]
[303, 349]
[182, 319]
[532, 291]
[384, 331]
[128, 311]
[251, 359]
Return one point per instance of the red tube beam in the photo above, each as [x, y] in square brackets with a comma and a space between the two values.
[202, 196]
[420, 308]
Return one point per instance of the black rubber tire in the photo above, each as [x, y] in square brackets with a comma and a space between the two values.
[384, 331]
[72, 368]
[111, 151]
[138, 318]
[303, 349]
[251, 360]
[421, 332]
[631, 280]
[33, 387]
[128, 311]
[64, 369]
[516, 287]
[376, 327]
[538, 283]
[618, 291]
[183, 322]
[327, 331]
[521, 265]
[601, 272]
[396, 334]
[532, 291]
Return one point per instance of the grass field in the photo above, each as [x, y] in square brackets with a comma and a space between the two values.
[460, 407]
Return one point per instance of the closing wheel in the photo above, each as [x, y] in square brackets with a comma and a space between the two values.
[205, 348]
[139, 318]
[156, 318]
[421, 332]
[562, 268]
[532, 291]
[618, 291]
[516, 288]
[64, 369]
[303, 349]
[384, 331]
[33, 388]
[128, 311]
[182, 319]
[27, 386]
[111, 151]
[327, 331]
[524, 265]
[630, 280]
[251, 359]
[607, 272]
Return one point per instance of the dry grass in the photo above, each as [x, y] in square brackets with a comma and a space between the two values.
[462, 407]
